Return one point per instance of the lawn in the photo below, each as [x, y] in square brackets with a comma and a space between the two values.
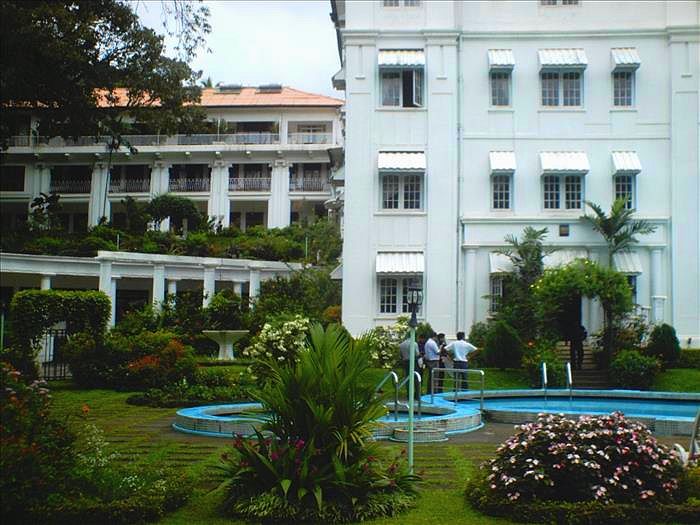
[678, 380]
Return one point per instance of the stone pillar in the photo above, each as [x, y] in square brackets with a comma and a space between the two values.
[254, 284]
[158, 295]
[279, 205]
[46, 281]
[105, 285]
[658, 295]
[470, 290]
[172, 287]
[113, 301]
[284, 130]
[98, 206]
[595, 310]
[218, 205]
[209, 283]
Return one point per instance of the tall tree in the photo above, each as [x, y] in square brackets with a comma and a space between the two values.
[89, 67]
[619, 229]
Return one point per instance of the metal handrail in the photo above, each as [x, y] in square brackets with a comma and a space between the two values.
[569, 380]
[419, 379]
[394, 379]
[457, 371]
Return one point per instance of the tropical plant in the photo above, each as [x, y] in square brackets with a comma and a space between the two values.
[177, 209]
[313, 459]
[619, 229]
[664, 345]
[543, 351]
[502, 346]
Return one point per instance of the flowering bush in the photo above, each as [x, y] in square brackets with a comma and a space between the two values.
[279, 341]
[384, 344]
[606, 458]
[169, 364]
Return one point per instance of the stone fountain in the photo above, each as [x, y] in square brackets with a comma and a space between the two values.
[225, 339]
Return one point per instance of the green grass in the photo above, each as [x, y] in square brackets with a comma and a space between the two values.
[678, 380]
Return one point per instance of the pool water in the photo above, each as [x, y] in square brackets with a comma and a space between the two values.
[650, 408]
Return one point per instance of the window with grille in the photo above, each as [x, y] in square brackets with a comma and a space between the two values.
[562, 88]
[500, 89]
[501, 192]
[623, 88]
[548, 2]
[391, 3]
[406, 3]
[496, 295]
[412, 3]
[572, 192]
[387, 295]
[402, 191]
[624, 189]
[551, 192]
[406, 283]
[558, 2]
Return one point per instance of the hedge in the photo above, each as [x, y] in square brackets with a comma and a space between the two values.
[690, 358]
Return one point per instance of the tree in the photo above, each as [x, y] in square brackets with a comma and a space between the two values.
[88, 67]
[619, 229]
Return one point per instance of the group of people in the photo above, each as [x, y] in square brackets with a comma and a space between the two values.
[437, 357]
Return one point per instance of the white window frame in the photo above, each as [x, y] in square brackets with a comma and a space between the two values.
[509, 180]
[559, 3]
[560, 87]
[402, 282]
[632, 199]
[496, 292]
[633, 89]
[418, 89]
[399, 3]
[509, 90]
[561, 189]
[633, 282]
[402, 180]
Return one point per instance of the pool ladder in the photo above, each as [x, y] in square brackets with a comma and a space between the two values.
[569, 380]
[397, 387]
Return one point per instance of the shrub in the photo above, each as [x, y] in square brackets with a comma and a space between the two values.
[664, 345]
[316, 464]
[478, 333]
[543, 351]
[502, 348]
[383, 342]
[97, 363]
[631, 369]
[281, 340]
[690, 358]
[169, 364]
[177, 208]
[226, 311]
[333, 314]
[606, 458]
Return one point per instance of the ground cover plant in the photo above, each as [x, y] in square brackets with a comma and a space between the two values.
[315, 462]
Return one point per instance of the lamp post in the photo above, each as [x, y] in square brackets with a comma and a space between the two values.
[415, 299]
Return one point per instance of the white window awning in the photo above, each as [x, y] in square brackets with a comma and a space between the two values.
[401, 160]
[626, 162]
[337, 273]
[563, 257]
[400, 262]
[501, 59]
[627, 262]
[625, 58]
[562, 58]
[499, 263]
[401, 58]
[338, 80]
[564, 162]
[502, 161]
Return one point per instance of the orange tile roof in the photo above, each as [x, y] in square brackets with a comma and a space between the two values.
[250, 96]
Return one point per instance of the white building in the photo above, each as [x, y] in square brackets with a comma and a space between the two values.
[267, 164]
[468, 121]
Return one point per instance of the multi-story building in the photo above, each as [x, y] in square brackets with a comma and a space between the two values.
[267, 163]
[468, 121]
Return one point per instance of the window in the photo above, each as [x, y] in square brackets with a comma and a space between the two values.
[632, 281]
[500, 89]
[402, 88]
[406, 3]
[624, 189]
[548, 2]
[254, 218]
[391, 3]
[561, 88]
[623, 88]
[558, 2]
[500, 185]
[11, 178]
[406, 284]
[571, 186]
[391, 288]
[402, 191]
[496, 293]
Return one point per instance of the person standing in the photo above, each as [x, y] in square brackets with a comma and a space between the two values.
[460, 350]
[578, 336]
[432, 360]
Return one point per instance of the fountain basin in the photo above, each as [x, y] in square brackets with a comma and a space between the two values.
[225, 339]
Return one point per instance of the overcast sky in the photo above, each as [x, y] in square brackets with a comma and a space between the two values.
[255, 42]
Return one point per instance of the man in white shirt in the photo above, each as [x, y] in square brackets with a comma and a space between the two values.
[432, 360]
[460, 350]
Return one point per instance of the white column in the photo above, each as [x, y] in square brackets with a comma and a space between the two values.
[209, 284]
[238, 288]
[98, 206]
[113, 301]
[594, 307]
[284, 130]
[470, 290]
[218, 205]
[158, 295]
[40, 181]
[279, 206]
[254, 283]
[172, 287]
[105, 285]
[658, 295]
[46, 281]
[160, 184]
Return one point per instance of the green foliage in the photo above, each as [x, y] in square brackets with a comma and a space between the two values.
[317, 463]
[631, 369]
[333, 314]
[167, 365]
[478, 333]
[678, 380]
[137, 216]
[226, 311]
[543, 351]
[502, 347]
[664, 345]
[45, 212]
[33, 312]
[280, 341]
[177, 208]
[689, 358]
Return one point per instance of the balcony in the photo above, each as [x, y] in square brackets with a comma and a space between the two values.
[309, 184]
[130, 186]
[247, 138]
[189, 185]
[70, 186]
[249, 184]
[310, 138]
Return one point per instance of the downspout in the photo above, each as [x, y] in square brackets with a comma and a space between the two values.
[458, 280]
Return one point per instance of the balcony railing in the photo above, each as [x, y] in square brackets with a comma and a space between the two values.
[130, 186]
[151, 140]
[310, 138]
[304, 184]
[186, 185]
[249, 184]
[70, 186]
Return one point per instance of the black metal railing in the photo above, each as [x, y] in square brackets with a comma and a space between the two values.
[53, 365]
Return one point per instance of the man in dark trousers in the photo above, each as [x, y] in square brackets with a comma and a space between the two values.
[578, 336]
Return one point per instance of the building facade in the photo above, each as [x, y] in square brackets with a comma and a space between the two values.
[468, 121]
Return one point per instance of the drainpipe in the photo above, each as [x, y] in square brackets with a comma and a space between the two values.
[458, 281]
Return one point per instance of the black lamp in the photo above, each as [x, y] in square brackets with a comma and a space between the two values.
[415, 299]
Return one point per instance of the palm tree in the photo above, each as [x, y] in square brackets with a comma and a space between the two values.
[207, 82]
[619, 229]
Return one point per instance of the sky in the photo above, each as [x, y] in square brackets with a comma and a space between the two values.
[255, 42]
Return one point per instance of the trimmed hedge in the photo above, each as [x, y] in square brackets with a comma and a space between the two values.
[690, 358]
